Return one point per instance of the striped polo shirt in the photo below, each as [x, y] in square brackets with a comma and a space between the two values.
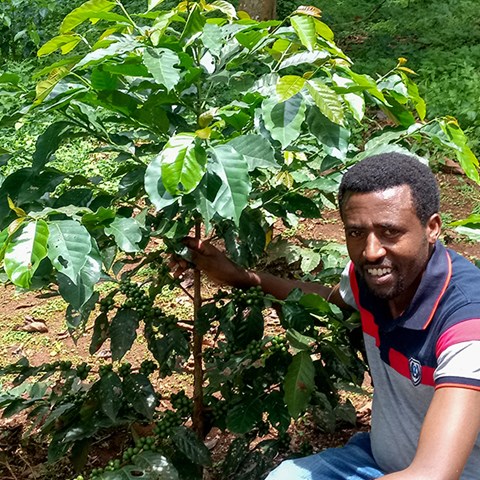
[435, 343]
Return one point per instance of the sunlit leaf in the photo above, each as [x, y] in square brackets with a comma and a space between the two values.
[26, 249]
[288, 86]
[154, 187]
[304, 27]
[284, 120]
[68, 246]
[324, 30]
[161, 64]
[153, 3]
[182, 164]
[127, 233]
[85, 12]
[316, 57]
[326, 100]
[65, 42]
[232, 169]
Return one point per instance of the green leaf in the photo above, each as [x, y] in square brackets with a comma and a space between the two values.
[284, 120]
[154, 185]
[68, 246]
[251, 38]
[288, 86]
[472, 220]
[78, 293]
[123, 332]
[193, 27]
[242, 417]
[333, 137]
[110, 395]
[299, 341]
[324, 30]
[26, 249]
[87, 11]
[299, 383]
[182, 164]
[153, 3]
[256, 150]
[160, 26]
[212, 38]
[304, 27]
[232, 169]
[225, 7]
[468, 161]
[472, 233]
[140, 393]
[101, 331]
[127, 233]
[316, 57]
[48, 143]
[326, 100]
[161, 62]
[65, 42]
[191, 446]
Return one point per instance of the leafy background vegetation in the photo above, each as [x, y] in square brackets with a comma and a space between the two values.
[91, 177]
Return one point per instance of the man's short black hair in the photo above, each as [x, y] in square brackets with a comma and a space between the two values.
[393, 169]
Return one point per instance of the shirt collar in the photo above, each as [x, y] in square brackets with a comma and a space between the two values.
[424, 304]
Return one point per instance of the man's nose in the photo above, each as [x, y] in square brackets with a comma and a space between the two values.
[373, 250]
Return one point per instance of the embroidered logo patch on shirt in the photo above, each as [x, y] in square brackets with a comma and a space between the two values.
[415, 371]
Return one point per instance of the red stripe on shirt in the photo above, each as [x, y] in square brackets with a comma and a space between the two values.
[368, 322]
[401, 364]
[466, 331]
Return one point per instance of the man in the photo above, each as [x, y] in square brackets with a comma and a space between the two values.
[420, 308]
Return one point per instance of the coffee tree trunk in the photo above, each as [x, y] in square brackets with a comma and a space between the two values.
[263, 10]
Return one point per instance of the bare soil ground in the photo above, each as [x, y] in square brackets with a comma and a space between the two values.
[24, 456]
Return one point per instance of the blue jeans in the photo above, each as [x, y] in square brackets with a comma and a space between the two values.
[354, 461]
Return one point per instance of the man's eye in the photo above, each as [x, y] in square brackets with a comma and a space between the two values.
[390, 232]
[354, 233]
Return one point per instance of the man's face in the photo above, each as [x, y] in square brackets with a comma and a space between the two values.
[387, 242]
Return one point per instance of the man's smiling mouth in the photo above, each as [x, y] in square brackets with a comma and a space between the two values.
[378, 272]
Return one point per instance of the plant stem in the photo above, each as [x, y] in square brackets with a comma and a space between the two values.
[197, 417]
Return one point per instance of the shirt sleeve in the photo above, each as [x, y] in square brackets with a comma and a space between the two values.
[345, 288]
[458, 356]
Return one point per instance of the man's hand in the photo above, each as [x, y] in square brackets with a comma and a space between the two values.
[220, 269]
[215, 264]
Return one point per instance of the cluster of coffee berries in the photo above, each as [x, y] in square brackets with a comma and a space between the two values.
[169, 420]
[278, 344]
[253, 296]
[254, 349]
[107, 304]
[181, 403]
[220, 409]
[137, 298]
[105, 369]
[124, 369]
[147, 367]
[83, 369]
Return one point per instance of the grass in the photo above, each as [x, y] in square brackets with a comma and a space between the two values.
[440, 41]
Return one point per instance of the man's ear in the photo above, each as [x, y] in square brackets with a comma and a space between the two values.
[434, 227]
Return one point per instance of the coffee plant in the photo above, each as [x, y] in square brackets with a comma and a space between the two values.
[217, 126]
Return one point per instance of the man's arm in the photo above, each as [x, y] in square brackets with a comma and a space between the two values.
[222, 270]
[448, 434]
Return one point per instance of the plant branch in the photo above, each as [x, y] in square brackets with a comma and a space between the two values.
[198, 408]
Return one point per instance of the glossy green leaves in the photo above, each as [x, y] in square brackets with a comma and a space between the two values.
[25, 251]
